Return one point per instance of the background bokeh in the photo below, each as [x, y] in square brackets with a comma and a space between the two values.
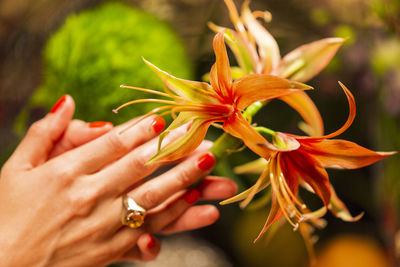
[173, 33]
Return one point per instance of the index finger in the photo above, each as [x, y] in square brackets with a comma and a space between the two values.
[94, 155]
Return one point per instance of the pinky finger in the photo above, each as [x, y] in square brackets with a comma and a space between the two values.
[195, 217]
[148, 247]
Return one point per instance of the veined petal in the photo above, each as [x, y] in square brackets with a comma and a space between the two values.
[222, 66]
[306, 61]
[340, 210]
[259, 87]
[196, 91]
[185, 144]
[306, 108]
[309, 170]
[342, 154]
[267, 46]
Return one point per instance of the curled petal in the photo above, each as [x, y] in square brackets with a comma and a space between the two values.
[342, 154]
[306, 108]
[346, 125]
[267, 46]
[185, 144]
[308, 60]
[259, 87]
[338, 209]
[196, 91]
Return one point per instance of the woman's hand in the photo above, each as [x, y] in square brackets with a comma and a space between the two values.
[64, 208]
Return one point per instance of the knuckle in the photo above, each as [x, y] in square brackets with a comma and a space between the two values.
[116, 143]
[149, 198]
[186, 176]
[37, 128]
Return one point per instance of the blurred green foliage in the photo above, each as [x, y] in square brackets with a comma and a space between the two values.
[96, 51]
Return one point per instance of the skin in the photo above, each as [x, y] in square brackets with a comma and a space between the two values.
[60, 193]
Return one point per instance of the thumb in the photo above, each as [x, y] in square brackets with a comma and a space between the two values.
[34, 149]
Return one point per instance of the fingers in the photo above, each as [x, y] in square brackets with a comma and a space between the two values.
[157, 190]
[213, 188]
[79, 133]
[102, 151]
[39, 141]
[210, 188]
[147, 249]
[132, 167]
[193, 218]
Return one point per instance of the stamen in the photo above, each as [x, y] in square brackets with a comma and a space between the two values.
[150, 91]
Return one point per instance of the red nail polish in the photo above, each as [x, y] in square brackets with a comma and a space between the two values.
[158, 124]
[192, 196]
[206, 161]
[152, 242]
[99, 124]
[59, 103]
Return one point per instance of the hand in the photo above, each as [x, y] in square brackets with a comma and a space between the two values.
[65, 211]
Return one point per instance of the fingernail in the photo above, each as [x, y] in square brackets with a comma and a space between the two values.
[99, 124]
[152, 242]
[206, 161]
[158, 124]
[192, 196]
[59, 103]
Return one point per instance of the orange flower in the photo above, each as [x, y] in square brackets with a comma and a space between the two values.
[257, 51]
[304, 164]
[222, 101]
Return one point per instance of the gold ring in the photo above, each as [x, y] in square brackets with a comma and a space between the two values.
[134, 214]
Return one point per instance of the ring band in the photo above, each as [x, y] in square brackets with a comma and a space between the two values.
[134, 214]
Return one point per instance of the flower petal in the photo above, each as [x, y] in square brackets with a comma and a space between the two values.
[338, 209]
[267, 46]
[346, 125]
[222, 66]
[244, 51]
[185, 144]
[306, 61]
[306, 108]
[304, 167]
[248, 194]
[237, 126]
[342, 154]
[196, 91]
[259, 87]
[254, 167]
[275, 214]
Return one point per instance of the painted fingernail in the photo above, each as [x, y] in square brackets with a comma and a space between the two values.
[99, 124]
[59, 103]
[158, 124]
[206, 161]
[192, 196]
[152, 242]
